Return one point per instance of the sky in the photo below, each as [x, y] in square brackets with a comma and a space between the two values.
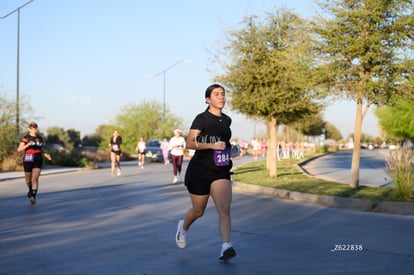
[82, 61]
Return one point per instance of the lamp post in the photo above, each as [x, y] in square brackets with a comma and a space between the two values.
[18, 64]
[164, 74]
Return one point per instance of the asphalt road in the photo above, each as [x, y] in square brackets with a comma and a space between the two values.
[337, 167]
[92, 223]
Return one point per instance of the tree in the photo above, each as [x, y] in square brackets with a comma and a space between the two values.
[397, 120]
[91, 140]
[362, 43]
[7, 127]
[268, 71]
[314, 125]
[332, 132]
[57, 135]
[144, 120]
[311, 125]
[8, 133]
[74, 137]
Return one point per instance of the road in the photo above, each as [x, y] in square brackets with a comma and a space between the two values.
[91, 223]
[337, 167]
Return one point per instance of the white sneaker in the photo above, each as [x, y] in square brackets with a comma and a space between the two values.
[227, 252]
[181, 235]
[118, 173]
[175, 180]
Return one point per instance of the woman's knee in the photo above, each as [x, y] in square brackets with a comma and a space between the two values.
[198, 212]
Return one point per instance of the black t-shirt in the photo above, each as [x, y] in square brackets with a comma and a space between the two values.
[36, 141]
[116, 145]
[213, 129]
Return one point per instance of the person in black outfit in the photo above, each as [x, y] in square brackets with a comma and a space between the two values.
[32, 144]
[115, 144]
[208, 172]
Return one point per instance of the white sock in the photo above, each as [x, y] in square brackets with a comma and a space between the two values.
[225, 246]
[182, 229]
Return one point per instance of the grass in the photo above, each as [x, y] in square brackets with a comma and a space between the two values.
[290, 177]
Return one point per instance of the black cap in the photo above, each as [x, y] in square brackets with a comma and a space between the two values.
[33, 125]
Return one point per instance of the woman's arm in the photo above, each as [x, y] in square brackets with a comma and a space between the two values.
[23, 146]
[47, 156]
[193, 144]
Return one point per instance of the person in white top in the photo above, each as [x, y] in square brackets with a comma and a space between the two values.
[141, 147]
[256, 148]
[177, 146]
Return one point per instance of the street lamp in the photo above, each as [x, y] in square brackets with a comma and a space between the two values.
[164, 74]
[18, 64]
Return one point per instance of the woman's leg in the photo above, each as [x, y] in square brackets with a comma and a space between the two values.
[118, 161]
[179, 163]
[28, 178]
[199, 204]
[118, 164]
[221, 193]
[174, 164]
[142, 156]
[35, 180]
[112, 163]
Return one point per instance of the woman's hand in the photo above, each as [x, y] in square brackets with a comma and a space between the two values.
[47, 156]
[220, 145]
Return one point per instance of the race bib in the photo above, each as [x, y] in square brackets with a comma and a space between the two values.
[28, 158]
[222, 157]
[115, 147]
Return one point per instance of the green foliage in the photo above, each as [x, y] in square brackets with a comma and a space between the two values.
[134, 121]
[10, 140]
[364, 46]
[332, 132]
[57, 135]
[310, 125]
[74, 137]
[292, 179]
[270, 71]
[400, 164]
[397, 120]
[91, 140]
[67, 158]
[363, 43]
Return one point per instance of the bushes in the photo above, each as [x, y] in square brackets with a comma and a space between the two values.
[13, 162]
[66, 158]
[400, 165]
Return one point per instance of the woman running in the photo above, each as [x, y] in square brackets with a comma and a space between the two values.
[208, 172]
[32, 145]
[115, 144]
[141, 147]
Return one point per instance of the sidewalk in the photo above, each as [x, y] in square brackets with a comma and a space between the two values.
[45, 171]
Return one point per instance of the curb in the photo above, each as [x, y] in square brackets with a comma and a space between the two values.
[400, 208]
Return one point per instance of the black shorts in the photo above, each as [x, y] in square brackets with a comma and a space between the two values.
[198, 178]
[117, 152]
[36, 163]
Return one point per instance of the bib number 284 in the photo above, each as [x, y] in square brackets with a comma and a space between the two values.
[222, 157]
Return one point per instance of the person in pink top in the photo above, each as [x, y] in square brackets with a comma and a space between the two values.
[165, 147]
